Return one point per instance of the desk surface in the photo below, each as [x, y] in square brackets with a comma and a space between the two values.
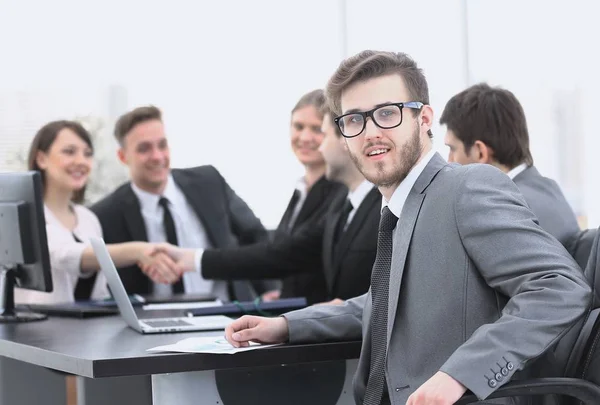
[106, 347]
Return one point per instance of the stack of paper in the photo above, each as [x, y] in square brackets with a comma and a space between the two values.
[206, 344]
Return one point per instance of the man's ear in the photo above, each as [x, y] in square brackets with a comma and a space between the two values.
[426, 118]
[481, 152]
[121, 155]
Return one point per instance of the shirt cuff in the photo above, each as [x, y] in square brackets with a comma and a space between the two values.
[198, 261]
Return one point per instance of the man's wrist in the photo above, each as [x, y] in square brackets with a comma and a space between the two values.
[197, 264]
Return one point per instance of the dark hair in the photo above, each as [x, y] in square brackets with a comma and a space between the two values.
[315, 98]
[494, 116]
[372, 64]
[326, 111]
[43, 140]
[127, 121]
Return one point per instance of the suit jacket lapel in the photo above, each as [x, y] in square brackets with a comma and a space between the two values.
[314, 199]
[133, 216]
[201, 206]
[328, 259]
[285, 219]
[403, 234]
[354, 227]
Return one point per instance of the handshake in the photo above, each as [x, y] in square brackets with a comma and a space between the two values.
[165, 263]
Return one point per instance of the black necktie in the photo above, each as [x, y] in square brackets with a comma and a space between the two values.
[171, 233]
[380, 280]
[342, 220]
[85, 285]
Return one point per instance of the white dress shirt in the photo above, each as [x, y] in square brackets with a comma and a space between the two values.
[301, 187]
[399, 197]
[515, 171]
[190, 234]
[65, 259]
[356, 198]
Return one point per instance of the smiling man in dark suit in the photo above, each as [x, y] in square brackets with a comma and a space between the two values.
[339, 250]
[313, 192]
[186, 207]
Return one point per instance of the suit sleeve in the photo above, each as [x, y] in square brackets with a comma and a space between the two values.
[286, 255]
[245, 225]
[322, 323]
[545, 288]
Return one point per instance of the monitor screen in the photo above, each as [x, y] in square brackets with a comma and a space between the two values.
[24, 257]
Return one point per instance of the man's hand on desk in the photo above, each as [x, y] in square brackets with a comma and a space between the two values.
[165, 263]
[257, 329]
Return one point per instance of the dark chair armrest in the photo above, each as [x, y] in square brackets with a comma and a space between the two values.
[582, 390]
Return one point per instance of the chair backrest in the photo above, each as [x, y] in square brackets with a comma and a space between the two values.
[566, 359]
[592, 270]
[589, 365]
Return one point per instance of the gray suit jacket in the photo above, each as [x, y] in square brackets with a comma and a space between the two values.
[548, 203]
[478, 289]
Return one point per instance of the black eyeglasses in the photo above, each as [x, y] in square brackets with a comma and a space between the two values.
[386, 116]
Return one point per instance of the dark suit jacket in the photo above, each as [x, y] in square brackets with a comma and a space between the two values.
[227, 219]
[314, 207]
[318, 199]
[346, 274]
[548, 203]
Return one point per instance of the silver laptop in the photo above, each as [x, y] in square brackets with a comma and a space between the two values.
[154, 325]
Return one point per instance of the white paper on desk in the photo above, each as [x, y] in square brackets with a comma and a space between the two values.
[206, 344]
[182, 305]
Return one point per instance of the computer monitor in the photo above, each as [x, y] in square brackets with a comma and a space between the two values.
[24, 258]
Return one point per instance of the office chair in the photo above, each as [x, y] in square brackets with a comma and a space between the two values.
[580, 381]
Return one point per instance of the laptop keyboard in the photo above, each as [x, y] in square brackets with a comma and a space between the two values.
[167, 323]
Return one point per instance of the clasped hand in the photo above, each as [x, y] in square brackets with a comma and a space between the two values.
[165, 263]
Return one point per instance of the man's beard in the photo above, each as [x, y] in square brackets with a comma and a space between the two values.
[409, 155]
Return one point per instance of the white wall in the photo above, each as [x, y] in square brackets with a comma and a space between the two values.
[544, 52]
[227, 74]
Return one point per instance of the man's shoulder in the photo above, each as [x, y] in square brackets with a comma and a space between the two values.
[474, 172]
[472, 181]
[199, 171]
[113, 201]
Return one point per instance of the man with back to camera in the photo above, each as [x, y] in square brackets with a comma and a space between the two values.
[187, 207]
[342, 244]
[462, 273]
[487, 125]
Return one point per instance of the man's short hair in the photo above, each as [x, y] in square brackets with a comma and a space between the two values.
[372, 64]
[494, 116]
[325, 111]
[127, 121]
[315, 98]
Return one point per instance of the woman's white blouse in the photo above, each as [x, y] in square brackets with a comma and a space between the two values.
[65, 258]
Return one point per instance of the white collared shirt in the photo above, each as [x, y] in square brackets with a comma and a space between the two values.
[356, 197]
[515, 171]
[65, 258]
[190, 234]
[399, 197]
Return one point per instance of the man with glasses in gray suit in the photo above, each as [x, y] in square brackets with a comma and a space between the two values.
[466, 290]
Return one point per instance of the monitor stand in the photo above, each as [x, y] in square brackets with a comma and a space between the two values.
[7, 299]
